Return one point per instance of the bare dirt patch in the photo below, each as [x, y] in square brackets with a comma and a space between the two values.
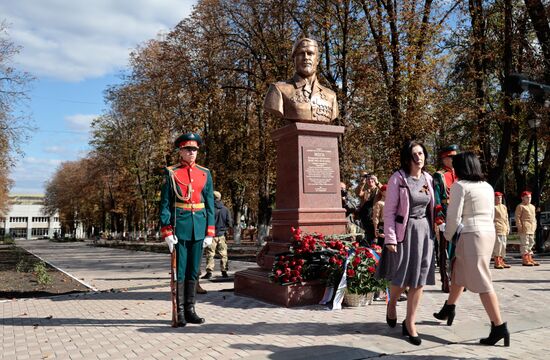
[21, 278]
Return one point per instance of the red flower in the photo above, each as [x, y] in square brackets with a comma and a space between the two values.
[278, 273]
[356, 261]
[351, 273]
[355, 244]
[371, 269]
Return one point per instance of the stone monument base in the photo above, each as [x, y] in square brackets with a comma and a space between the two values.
[255, 283]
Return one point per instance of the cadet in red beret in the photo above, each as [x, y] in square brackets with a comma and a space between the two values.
[526, 224]
[187, 220]
[502, 229]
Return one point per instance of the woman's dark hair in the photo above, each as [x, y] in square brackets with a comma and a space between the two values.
[468, 167]
[406, 157]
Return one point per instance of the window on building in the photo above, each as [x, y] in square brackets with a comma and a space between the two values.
[56, 219]
[18, 219]
[18, 233]
[39, 232]
[40, 219]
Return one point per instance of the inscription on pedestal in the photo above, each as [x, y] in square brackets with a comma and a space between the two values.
[319, 169]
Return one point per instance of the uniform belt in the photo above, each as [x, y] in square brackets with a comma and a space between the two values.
[190, 206]
[417, 216]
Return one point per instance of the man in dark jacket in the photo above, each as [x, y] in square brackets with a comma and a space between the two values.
[219, 246]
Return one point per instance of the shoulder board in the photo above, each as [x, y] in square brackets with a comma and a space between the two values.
[202, 167]
[283, 84]
[172, 167]
[324, 88]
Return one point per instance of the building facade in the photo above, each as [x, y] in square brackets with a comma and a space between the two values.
[25, 219]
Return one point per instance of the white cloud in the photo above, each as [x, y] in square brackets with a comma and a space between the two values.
[55, 149]
[80, 122]
[78, 39]
[30, 174]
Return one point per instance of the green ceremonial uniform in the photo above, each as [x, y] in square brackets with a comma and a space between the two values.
[189, 213]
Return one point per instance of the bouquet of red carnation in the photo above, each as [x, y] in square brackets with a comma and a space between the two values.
[361, 268]
[287, 270]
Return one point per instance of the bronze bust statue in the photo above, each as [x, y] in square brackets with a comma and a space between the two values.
[302, 98]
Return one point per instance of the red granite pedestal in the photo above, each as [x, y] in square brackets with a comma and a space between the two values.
[308, 197]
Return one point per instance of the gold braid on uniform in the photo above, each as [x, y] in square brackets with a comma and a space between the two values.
[174, 186]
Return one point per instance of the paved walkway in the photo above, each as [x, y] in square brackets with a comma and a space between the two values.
[130, 318]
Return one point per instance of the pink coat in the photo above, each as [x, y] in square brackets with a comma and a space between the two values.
[396, 210]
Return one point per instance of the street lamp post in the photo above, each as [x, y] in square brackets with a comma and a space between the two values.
[533, 125]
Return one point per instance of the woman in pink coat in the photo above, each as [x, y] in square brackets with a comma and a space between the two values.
[407, 259]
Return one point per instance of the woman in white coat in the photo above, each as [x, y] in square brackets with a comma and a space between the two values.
[471, 212]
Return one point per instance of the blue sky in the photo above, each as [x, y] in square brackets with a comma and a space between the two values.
[75, 49]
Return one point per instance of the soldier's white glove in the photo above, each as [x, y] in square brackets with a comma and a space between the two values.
[442, 227]
[207, 242]
[171, 240]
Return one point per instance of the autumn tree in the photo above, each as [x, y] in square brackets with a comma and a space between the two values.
[14, 127]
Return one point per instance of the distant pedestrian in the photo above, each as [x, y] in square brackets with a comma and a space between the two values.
[526, 223]
[378, 215]
[471, 214]
[366, 191]
[502, 229]
[219, 245]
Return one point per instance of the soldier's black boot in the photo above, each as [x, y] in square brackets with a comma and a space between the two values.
[497, 333]
[180, 300]
[190, 292]
[447, 312]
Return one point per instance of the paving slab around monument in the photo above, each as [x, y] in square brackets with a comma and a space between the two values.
[129, 317]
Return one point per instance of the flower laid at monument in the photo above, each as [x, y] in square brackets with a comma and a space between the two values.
[360, 271]
[312, 257]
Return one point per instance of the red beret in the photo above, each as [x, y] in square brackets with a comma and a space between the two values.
[526, 193]
[498, 193]
[384, 187]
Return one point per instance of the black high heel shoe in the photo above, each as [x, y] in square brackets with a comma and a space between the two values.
[447, 312]
[497, 333]
[391, 322]
[415, 340]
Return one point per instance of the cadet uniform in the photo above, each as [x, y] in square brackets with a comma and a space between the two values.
[443, 179]
[526, 223]
[187, 211]
[502, 229]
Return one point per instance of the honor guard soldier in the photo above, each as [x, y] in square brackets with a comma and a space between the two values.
[187, 220]
[443, 179]
[302, 98]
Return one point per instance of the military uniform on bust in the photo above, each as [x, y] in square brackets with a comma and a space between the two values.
[187, 220]
[444, 178]
[302, 98]
[526, 223]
